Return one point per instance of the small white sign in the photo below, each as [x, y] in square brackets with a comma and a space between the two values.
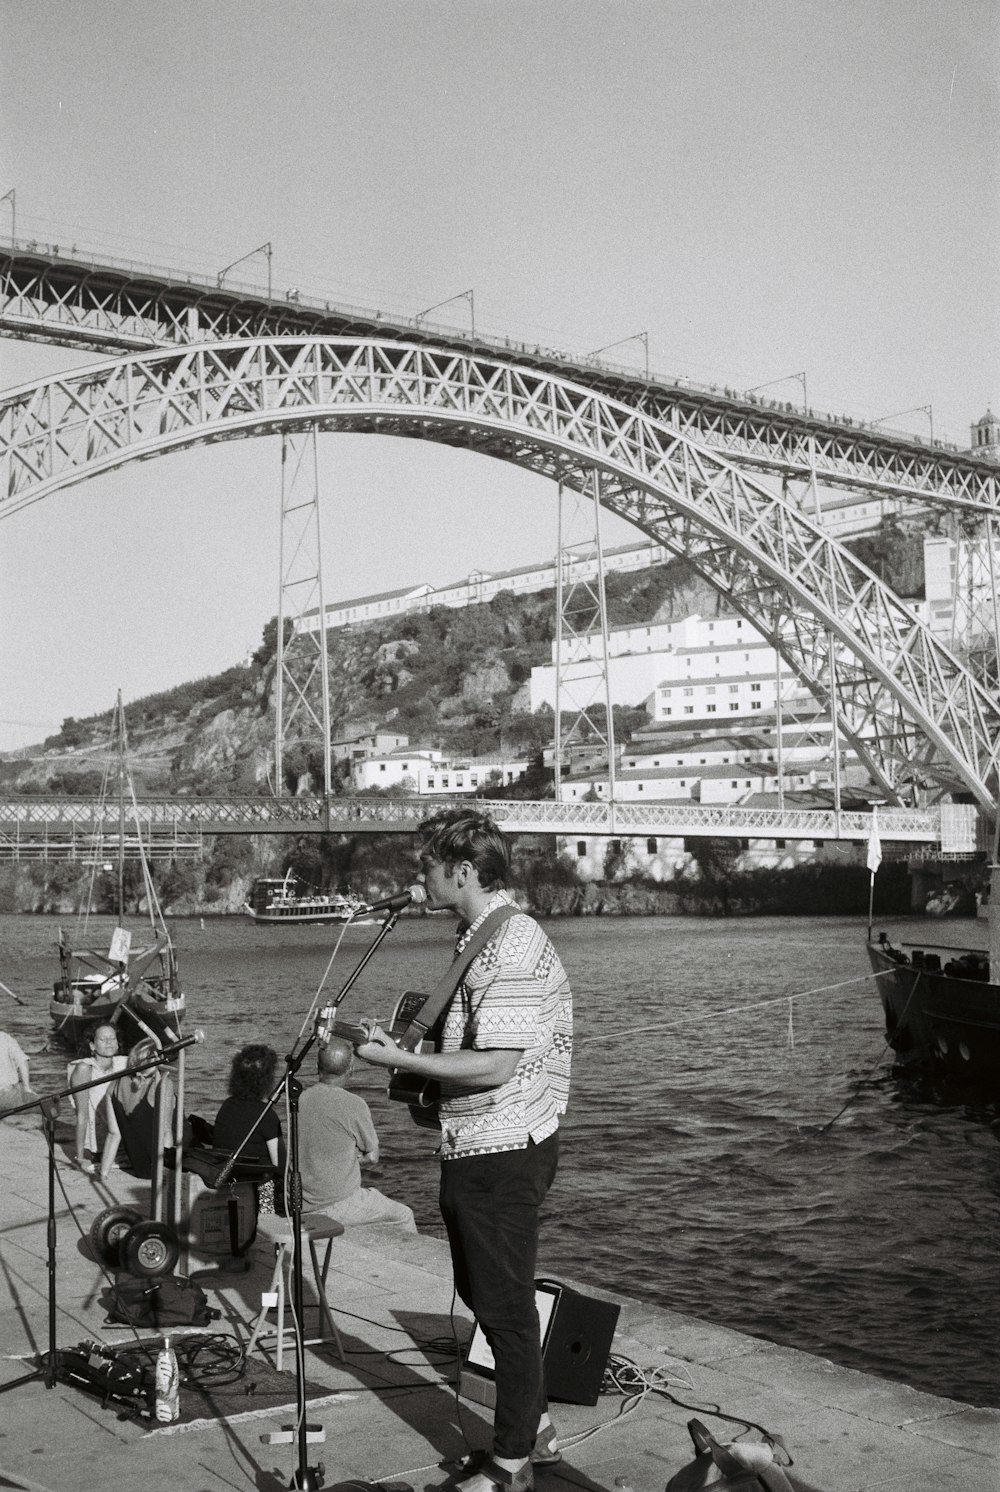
[121, 943]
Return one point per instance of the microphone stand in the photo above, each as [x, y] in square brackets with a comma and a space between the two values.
[305, 1476]
[48, 1362]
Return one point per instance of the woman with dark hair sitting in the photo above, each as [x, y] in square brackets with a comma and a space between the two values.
[251, 1083]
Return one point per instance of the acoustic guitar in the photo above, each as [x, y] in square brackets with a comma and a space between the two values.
[418, 1021]
[422, 1094]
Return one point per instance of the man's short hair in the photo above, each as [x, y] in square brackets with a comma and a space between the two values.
[463, 834]
[334, 1059]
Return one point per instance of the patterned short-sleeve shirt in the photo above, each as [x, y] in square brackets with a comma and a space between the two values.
[515, 995]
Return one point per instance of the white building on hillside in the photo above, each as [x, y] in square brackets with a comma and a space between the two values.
[364, 741]
[694, 668]
[479, 586]
[428, 773]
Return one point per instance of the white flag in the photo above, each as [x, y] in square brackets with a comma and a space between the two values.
[874, 846]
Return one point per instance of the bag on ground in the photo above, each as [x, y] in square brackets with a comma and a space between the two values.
[154, 1303]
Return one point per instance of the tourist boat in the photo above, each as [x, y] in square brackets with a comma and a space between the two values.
[942, 1012]
[135, 988]
[289, 899]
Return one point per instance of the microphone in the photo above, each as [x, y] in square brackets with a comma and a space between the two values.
[412, 896]
[195, 1039]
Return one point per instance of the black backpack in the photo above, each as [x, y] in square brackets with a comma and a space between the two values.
[167, 1301]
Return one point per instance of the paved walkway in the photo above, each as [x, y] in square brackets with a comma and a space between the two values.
[392, 1415]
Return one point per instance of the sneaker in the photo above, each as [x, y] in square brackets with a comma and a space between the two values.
[502, 1480]
[546, 1451]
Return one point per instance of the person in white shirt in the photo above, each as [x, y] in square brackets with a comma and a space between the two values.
[104, 1058]
[15, 1085]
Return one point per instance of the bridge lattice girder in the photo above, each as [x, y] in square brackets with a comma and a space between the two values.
[903, 699]
[125, 308]
[47, 821]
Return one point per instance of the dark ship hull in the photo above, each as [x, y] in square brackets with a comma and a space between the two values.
[942, 1014]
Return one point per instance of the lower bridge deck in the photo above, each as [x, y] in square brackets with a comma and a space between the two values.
[77, 828]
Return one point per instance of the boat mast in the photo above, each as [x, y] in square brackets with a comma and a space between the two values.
[120, 722]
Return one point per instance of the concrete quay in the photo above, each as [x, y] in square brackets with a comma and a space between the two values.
[391, 1413]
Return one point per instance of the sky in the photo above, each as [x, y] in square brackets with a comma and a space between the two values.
[763, 187]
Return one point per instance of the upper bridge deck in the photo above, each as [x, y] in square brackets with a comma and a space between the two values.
[113, 306]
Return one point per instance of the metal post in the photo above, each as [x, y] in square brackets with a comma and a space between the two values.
[609, 711]
[557, 775]
[11, 197]
[279, 724]
[817, 510]
[834, 731]
[120, 712]
[778, 725]
[302, 657]
[991, 559]
[324, 657]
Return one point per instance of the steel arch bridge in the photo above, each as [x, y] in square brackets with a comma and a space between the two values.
[903, 700]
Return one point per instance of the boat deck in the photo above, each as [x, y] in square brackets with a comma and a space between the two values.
[391, 1416]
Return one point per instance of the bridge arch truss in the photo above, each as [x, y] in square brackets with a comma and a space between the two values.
[904, 701]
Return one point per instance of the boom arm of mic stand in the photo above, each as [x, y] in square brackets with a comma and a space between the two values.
[352, 978]
[71, 1088]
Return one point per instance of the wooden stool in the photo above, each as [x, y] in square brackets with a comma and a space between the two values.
[279, 1230]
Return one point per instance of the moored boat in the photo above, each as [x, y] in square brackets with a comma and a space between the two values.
[942, 1011]
[141, 995]
[136, 989]
[289, 899]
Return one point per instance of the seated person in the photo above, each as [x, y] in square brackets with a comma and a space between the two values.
[141, 1114]
[104, 1058]
[336, 1135]
[15, 1087]
[251, 1082]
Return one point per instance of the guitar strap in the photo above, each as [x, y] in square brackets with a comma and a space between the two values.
[445, 989]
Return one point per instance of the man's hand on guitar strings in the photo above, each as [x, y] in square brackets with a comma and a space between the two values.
[379, 1050]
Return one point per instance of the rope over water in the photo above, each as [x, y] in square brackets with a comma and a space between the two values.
[714, 1015]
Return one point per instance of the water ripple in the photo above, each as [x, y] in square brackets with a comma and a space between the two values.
[698, 1170]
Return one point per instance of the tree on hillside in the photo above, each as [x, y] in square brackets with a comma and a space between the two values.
[268, 649]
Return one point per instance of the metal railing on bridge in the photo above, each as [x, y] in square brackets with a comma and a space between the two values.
[77, 828]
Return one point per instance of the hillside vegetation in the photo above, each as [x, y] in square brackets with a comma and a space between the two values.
[453, 679]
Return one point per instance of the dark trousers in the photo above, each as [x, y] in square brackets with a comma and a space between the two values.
[490, 1206]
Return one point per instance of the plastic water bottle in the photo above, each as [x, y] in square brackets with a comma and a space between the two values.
[168, 1397]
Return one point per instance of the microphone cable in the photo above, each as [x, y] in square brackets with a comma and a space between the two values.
[310, 1013]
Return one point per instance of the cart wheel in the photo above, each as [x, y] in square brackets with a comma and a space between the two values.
[108, 1229]
[149, 1249]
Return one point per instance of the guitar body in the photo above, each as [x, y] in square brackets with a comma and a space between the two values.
[421, 1094]
[418, 1020]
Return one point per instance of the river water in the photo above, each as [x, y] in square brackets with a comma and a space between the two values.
[719, 1158]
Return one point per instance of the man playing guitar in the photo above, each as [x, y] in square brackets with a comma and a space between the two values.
[503, 1070]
